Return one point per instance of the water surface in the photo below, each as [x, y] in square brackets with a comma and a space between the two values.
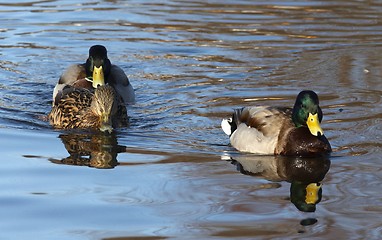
[170, 173]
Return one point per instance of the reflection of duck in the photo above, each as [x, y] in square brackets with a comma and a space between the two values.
[93, 150]
[97, 70]
[80, 108]
[305, 196]
[284, 131]
[304, 174]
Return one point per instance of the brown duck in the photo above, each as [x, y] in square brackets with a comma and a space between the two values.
[100, 109]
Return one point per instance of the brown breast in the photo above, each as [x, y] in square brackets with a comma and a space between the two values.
[83, 83]
[300, 142]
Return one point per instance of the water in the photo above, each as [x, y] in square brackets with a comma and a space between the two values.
[191, 63]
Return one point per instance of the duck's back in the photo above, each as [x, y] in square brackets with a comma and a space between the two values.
[120, 82]
[258, 128]
[66, 113]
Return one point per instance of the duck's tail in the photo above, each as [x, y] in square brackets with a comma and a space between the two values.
[229, 125]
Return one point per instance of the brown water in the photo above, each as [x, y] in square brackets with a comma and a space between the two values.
[170, 173]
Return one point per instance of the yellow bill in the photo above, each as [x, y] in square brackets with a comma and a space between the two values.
[312, 193]
[313, 124]
[98, 77]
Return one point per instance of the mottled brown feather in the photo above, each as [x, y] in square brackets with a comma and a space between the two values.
[74, 108]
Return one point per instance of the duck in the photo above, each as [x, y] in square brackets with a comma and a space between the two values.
[96, 71]
[268, 130]
[101, 109]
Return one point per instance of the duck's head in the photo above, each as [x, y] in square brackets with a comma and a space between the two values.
[103, 107]
[307, 112]
[97, 65]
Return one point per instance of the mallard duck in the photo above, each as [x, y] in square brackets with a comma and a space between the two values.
[81, 108]
[96, 71]
[280, 131]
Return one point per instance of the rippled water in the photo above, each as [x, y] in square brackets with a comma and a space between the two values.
[171, 173]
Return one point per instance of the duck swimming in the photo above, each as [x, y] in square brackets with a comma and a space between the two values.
[96, 71]
[278, 130]
[83, 108]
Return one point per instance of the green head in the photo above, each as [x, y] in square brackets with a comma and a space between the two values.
[97, 65]
[307, 112]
